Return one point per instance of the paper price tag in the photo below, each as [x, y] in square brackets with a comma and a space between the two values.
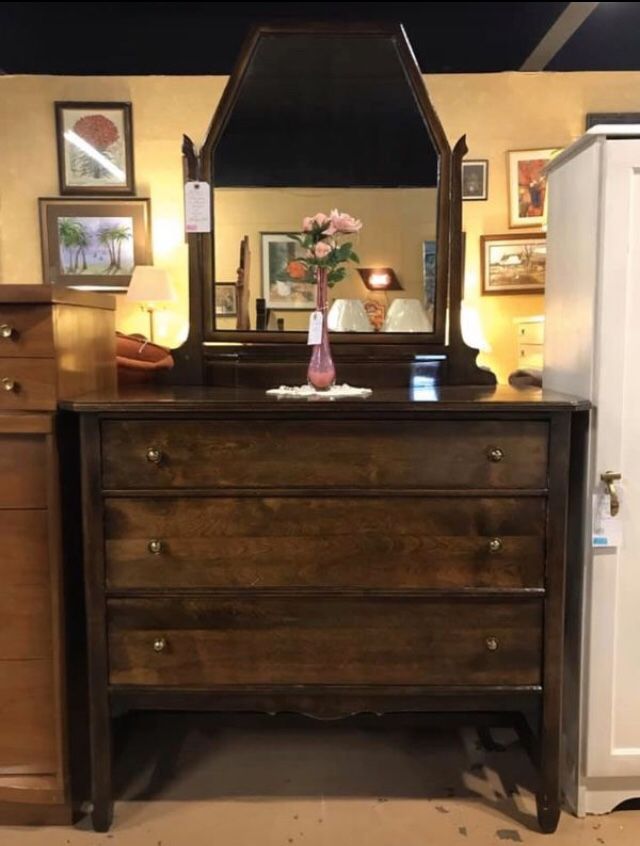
[197, 207]
[607, 530]
[315, 328]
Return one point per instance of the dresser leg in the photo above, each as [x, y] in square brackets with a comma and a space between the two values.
[101, 787]
[548, 813]
[102, 815]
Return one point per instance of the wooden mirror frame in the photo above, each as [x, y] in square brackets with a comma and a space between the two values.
[250, 357]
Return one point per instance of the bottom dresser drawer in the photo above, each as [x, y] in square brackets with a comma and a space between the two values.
[273, 640]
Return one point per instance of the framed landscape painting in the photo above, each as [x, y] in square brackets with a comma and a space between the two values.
[95, 148]
[286, 284]
[513, 264]
[528, 186]
[93, 243]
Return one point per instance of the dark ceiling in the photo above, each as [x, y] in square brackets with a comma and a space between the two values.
[204, 38]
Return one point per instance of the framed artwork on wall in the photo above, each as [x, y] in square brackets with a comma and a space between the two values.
[95, 148]
[513, 264]
[528, 186]
[93, 243]
[475, 179]
[226, 305]
[286, 283]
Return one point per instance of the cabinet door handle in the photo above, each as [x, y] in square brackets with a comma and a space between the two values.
[609, 477]
[159, 644]
[495, 454]
[154, 455]
[492, 643]
[7, 332]
[9, 385]
[155, 546]
[495, 545]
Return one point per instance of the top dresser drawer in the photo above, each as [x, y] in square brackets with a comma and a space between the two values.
[311, 454]
[26, 330]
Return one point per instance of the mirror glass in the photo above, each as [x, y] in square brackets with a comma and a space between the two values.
[322, 122]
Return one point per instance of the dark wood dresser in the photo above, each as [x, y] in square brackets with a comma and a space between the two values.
[54, 343]
[399, 553]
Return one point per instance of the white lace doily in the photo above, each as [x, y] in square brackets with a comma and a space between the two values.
[306, 391]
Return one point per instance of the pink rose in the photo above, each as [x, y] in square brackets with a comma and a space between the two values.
[321, 250]
[320, 219]
[343, 222]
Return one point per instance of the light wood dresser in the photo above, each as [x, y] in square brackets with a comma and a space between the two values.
[329, 558]
[54, 344]
[530, 334]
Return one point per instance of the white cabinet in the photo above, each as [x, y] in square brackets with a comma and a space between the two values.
[592, 349]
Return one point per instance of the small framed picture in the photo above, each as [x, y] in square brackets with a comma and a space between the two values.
[93, 243]
[226, 299]
[528, 186]
[287, 284]
[475, 179]
[513, 264]
[95, 148]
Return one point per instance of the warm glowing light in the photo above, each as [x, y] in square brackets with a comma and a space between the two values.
[379, 281]
[167, 237]
[472, 330]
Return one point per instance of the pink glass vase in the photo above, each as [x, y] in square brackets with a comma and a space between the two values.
[322, 372]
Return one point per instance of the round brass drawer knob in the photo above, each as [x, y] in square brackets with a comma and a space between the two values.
[9, 385]
[154, 455]
[155, 546]
[7, 332]
[495, 454]
[159, 644]
[495, 545]
[491, 643]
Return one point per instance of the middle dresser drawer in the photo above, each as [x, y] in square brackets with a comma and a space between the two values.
[326, 542]
[307, 640]
[325, 454]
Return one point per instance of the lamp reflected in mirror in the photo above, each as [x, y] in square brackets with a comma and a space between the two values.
[348, 316]
[380, 278]
[407, 315]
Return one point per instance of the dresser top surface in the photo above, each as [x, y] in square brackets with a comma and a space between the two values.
[414, 399]
[53, 294]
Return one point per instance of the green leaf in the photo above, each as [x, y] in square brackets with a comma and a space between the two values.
[354, 257]
[336, 275]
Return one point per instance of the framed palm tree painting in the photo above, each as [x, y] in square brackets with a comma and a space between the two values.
[93, 244]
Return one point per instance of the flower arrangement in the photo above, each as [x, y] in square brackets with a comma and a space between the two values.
[322, 240]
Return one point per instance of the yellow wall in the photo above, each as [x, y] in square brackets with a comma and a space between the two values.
[498, 112]
[397, 221]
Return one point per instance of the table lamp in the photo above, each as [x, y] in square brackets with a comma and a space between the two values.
[150, 286]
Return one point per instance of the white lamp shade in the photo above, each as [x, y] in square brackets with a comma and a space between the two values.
[348, 316]
[472, 331]
[407, 315]
[150, 284]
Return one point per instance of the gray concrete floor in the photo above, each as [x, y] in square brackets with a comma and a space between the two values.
[188, 780]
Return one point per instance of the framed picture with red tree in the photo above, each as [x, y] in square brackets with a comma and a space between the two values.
[95, 148]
